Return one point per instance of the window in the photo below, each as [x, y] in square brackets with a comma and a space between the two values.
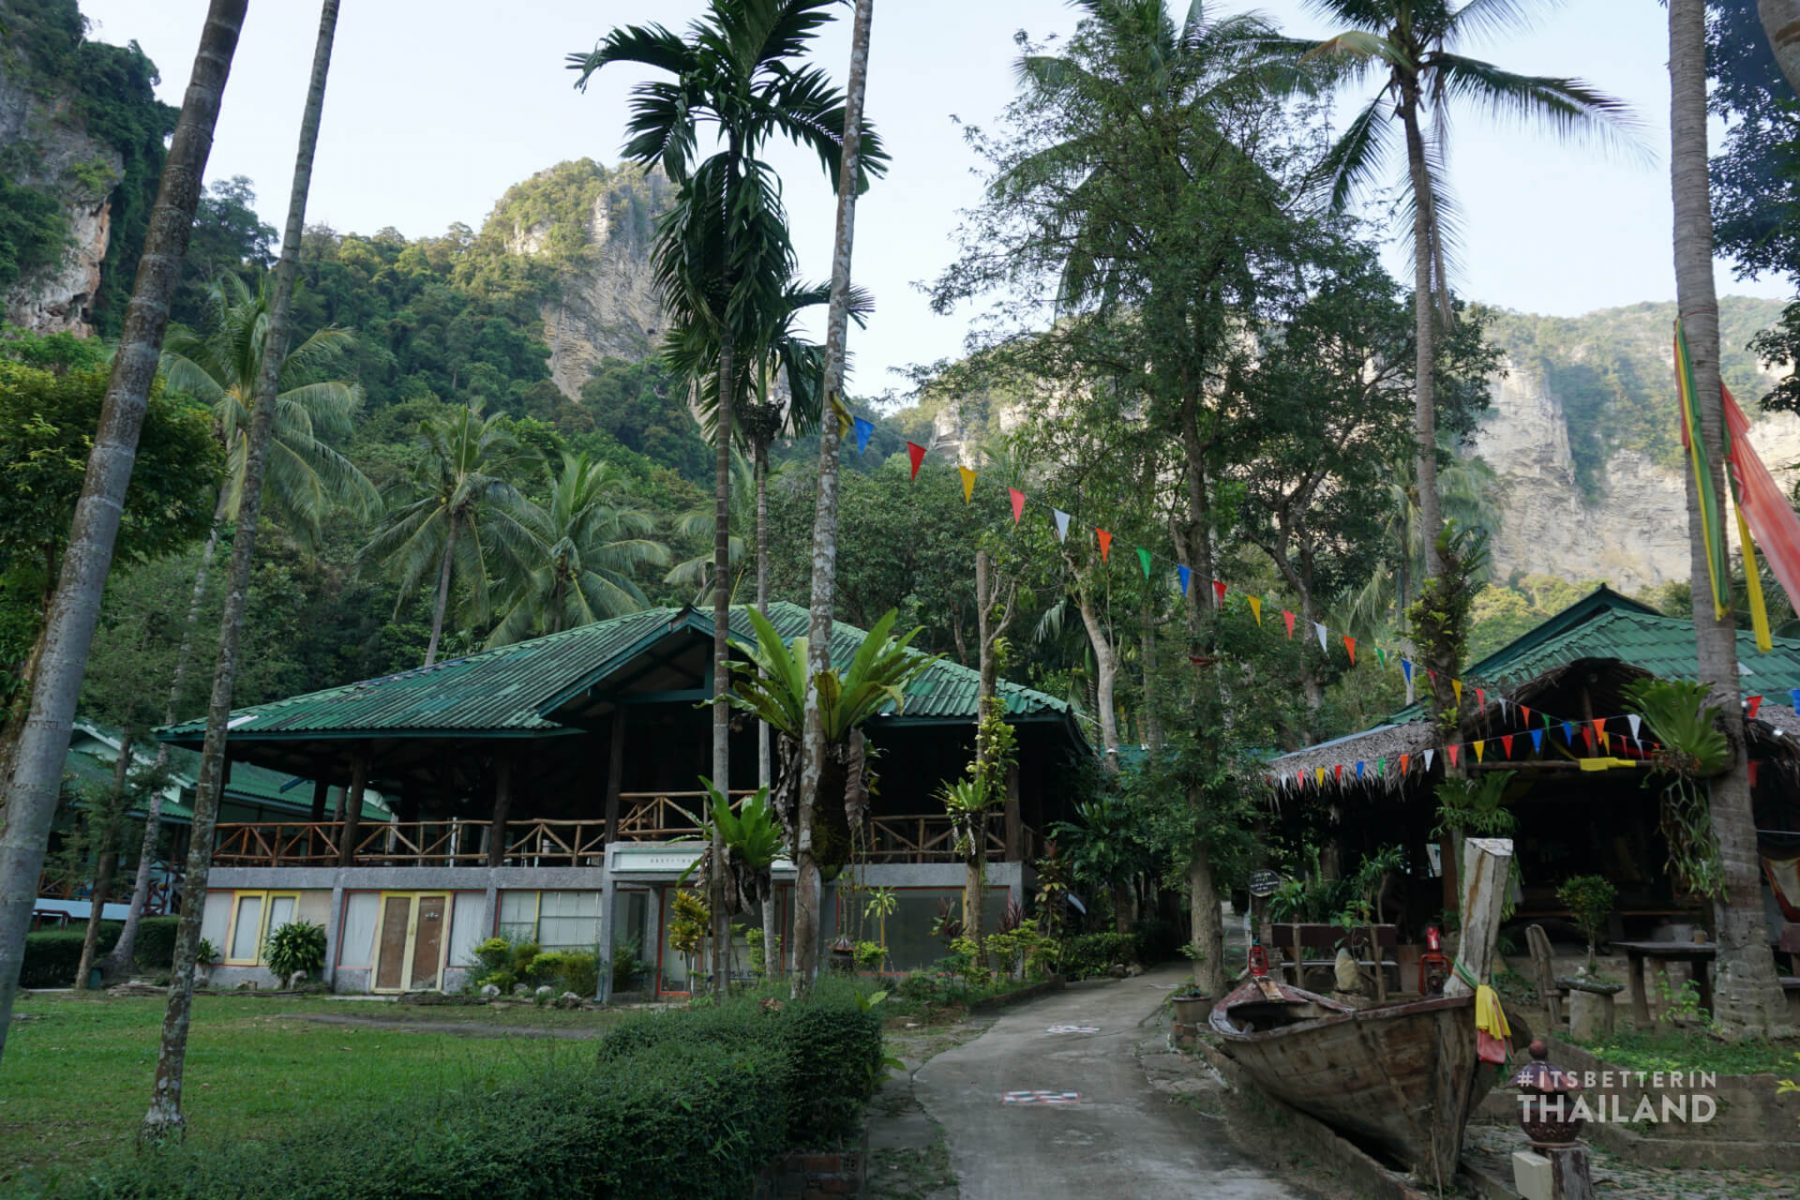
[554, 920]
[360, 911]
[253, 915]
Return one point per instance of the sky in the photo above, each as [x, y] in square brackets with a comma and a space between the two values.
[435, 108]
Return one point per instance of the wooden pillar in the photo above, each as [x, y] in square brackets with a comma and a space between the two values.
[1015, 845]
[353, 804]
[502, 810]
[615, 773]
[321, 791]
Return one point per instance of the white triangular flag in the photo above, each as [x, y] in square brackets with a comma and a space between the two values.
[1320, 630]
[1429, 755]
[1634, 721]
[1503, 708]
[1062, 524]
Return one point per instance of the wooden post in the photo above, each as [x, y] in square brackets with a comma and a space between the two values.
[321, 791]
[502, 810]
[615, 772]
[1015, 847]
[353, 803]
[1486, 872]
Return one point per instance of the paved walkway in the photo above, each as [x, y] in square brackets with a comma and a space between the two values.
[1118, 1139]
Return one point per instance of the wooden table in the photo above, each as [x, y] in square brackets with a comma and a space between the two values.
[1697, 953]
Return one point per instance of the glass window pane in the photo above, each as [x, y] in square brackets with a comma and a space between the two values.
[248, 929]
[359, 929]
[281, 911]
[518, 916]
[569, 920]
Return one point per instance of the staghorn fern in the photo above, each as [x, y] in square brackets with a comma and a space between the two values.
[1693, 749]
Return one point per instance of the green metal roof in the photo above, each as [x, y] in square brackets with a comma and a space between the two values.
[509, 691]
[1606, 625]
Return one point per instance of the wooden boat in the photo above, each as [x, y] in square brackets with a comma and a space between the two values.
[1401, 1079]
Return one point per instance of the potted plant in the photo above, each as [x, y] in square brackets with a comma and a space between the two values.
[1191, 1005]
[1590, 899]
[205, 955]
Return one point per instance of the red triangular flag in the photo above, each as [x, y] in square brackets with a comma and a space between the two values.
[1755, 703]
[1506, 743]
[1752, 765]
[1452, 748]
[1433, 675]
[1219, 592]
[1587, 739]
[1289, 618]
[1404, 759]
[1481, 697]
[1337, 772]
[1105, 542]
[915, 452]
[1526, 713]
[1018, 499]
[1350, 648]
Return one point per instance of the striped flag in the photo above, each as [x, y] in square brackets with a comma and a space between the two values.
[1712, 525]
[1763, 505]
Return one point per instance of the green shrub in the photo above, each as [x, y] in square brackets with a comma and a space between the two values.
[298, 946]
[1157, 940]
[575, 971]
[503, 964]
[628, 963]
[1088, 954]
[155, 949]
[51, 955]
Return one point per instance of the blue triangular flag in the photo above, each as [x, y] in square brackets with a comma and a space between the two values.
[1406, 669]
[1537, 740]
[1794, 700]
[865, 429]
[1359, 767]
[1569, 732]
[1186, 575]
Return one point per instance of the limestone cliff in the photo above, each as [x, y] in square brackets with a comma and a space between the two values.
[585, 231]
[1583, 435]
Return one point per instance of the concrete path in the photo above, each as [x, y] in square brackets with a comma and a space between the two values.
[1119, 1139]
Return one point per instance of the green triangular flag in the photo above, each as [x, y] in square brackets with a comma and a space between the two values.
[1380, 767]
[1144, 558]
[1381, 656]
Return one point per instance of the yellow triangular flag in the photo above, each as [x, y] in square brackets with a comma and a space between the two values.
[1456, 686]
[1321, 776]
[1479, 747]
[968, 477]
[843, 415]
[1759, 612]
[1255, 607]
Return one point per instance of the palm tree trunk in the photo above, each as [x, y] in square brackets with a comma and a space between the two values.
[721, 707]
[1425, 335]
[114, 813]
[760, 465]
[44, 742]
[126, 946]
[1106, 677]
[441, 604]
[1781, 21]
[164, 1118]
[1747, 997]
[824, 542]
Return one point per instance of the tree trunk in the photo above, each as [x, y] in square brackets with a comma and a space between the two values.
[824, 541]
[1106, 678]
[721, 707]
[113, 814]
[1425, 333]
[764, 766]
[1153, 730]
[1781, 21]
[442, 602]
[1208, 928]
[1747, 997]
[44, 742]
[164, 1118]
[126, 946]
[771, 931]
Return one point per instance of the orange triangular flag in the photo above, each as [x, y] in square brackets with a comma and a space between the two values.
[1018, 502]
[1404, 759]
[968, 478]
[1105, 542]
[1525, 711]
[1350, 648]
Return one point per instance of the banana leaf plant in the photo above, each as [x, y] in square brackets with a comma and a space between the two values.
[771, 686]
[1692, 749]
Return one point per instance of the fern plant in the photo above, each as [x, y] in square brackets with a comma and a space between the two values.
[297, 948]
[1693, 749]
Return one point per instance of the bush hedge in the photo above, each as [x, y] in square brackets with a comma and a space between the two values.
[52, 955]
[693, 1103]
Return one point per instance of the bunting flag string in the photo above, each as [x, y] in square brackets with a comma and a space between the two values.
[968, 482]
[1105, 540]
[1018, 504]
[865, 429]
[1144, 561]
[915, 452]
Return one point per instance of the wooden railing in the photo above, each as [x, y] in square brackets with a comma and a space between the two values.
[924, 839]
[660, 816]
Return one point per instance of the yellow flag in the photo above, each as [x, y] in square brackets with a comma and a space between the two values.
[843, 415]
[1255, 607]
[1759, 612]
[968, 477]
[1456, 686]
[1479, 747]
[1321, 776]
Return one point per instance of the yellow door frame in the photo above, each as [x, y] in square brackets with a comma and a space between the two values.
[412, 933]
[268, 898]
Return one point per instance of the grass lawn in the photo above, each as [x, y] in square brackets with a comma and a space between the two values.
[76, 1077]
[1681, 1050]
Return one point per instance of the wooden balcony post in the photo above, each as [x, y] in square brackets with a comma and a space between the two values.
[496, 853]
[1014, 846]
[353, 803]
[321, 792]
[615, 773]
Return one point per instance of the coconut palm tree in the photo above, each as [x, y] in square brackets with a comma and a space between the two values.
[580, 551]
[164, 1118]
[1748, 997]
[466, 510]
[722, 257]
[31, 793]
[1410, 47]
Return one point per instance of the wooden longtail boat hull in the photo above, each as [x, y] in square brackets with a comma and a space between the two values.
[1402, 1078]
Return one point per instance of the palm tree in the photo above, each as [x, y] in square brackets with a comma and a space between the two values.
[1410, 46]
[1781, 22]
[581, 549]
[466, 510]
[1748, 997]
[31, 794]
[164, 1118]
[722, 257]
[307, 478]
[695, 574]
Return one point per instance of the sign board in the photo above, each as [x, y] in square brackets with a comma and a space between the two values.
[668, 862]
[1263, 883]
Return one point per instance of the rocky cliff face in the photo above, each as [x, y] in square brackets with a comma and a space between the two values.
[1590, 476]
[588, 230]
[52, 152]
